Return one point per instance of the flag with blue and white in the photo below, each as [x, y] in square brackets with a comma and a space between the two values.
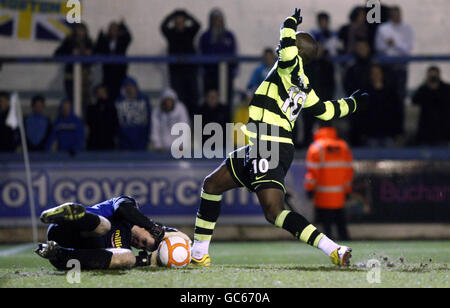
[34, 19]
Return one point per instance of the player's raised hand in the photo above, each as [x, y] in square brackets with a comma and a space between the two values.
[297, 16]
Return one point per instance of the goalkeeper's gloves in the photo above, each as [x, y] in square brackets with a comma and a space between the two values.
[169, 232]
[157, 232]
[145, 259]
[297, 16]
[142, 259]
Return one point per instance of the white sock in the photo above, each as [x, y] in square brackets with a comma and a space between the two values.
[327, 245]
[200, 249]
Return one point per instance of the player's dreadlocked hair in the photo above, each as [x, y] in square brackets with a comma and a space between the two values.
[307, 46]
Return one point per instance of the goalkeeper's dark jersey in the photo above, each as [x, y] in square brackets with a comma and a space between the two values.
[119, 236]
[285, 91]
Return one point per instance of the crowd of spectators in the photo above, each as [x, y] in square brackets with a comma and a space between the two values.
[119, 116]
[382, 123]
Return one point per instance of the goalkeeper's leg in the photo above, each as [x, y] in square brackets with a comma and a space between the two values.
[272, 203]
[75, 216]
[214, 185]
[98, 258]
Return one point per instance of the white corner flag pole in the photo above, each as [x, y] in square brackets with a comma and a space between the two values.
[15, 103]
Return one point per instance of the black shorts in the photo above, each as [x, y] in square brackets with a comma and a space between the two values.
[251, 170]
[70, 237]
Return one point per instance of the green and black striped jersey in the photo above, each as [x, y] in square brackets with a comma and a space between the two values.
[286, 90]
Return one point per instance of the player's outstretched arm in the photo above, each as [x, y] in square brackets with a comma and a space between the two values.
[333, 109]
[287, 48]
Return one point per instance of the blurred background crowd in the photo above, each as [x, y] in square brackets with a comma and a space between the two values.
[118, 115]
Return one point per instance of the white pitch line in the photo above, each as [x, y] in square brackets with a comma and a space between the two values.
[15, 250]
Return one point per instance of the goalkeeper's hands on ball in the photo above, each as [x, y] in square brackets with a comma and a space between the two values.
[169, 232]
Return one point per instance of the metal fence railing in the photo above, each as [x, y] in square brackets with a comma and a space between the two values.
[221, 60]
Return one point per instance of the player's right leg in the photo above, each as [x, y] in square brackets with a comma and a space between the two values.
[89, 258]
[214, 185]
[76, 216]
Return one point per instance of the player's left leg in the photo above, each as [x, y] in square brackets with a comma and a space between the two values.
[272, 203]
[89, 258]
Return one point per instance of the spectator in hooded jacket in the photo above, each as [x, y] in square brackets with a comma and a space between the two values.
[68, 130]
[102, 121]
[9, 137]
[134, 114]
[37, 125]
[169, 112]
[115, 42]
[180, 29]
[217, 40]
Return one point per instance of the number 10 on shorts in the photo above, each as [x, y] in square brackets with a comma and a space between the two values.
[261, 166]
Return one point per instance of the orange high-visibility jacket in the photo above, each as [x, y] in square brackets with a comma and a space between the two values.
[329, 169]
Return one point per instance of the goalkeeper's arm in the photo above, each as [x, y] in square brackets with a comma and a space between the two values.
[129, 212]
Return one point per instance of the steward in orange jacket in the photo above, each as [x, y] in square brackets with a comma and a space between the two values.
[329, 177]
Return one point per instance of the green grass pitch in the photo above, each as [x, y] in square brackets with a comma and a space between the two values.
[253, 264]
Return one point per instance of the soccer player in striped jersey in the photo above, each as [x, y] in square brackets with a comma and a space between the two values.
[273, 111]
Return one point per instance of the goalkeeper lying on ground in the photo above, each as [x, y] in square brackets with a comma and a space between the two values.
[101, 236]
[273, 111]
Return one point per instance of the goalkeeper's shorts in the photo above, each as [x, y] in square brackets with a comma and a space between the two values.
[250, 170]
